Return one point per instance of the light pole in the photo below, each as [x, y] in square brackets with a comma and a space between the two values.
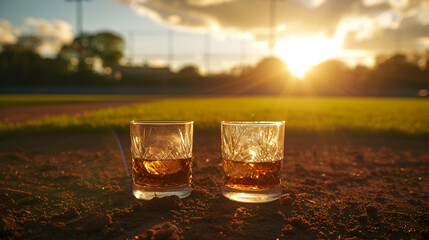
[79, 30]
[79, 15]
[272, 15]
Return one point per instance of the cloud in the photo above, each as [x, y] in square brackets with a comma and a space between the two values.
[245, 16]
[202, 3]
[312, 3]
[390, 30]
[7, 33]
[356, 22]
[422, 13]
[52, 34]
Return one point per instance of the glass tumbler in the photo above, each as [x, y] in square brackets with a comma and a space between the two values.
[252, 154]
[161, 158]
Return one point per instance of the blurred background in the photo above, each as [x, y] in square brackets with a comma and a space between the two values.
[220, 47]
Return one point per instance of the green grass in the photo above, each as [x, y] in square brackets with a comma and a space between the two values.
[8, 100]
[353, 116]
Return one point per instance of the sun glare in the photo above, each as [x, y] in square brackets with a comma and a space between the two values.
[300, 54]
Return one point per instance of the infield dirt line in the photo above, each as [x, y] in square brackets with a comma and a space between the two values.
[16, 114]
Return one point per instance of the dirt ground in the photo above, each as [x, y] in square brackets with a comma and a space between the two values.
[77, 187]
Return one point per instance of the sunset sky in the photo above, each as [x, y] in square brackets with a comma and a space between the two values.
[233, 31]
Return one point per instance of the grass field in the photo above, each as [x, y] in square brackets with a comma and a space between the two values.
[9, 100]
[353, 116]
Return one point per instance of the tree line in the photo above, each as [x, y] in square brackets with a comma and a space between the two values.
[85, 59]
[21, 64]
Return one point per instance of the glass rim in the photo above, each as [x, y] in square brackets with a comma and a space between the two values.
[253, 123]
[160, 122]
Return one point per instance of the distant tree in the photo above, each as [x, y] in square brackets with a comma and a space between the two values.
[187, 76]
[426, 70]
[22, 65]
[425, 60]
[360, 79]
[29, 42]
[189, 71]
[360, 73]
[18, 64]
[269, 76]
[85, 48]
[69, 54]
[272, 67]
[331, 76]
[397, 72]
[329, 71]
[109, 47]
[240, 70]
[77, 52]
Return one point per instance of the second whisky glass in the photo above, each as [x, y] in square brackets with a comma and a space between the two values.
[252, 154]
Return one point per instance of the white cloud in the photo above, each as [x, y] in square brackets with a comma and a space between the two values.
[373, 2]
[174, 19]
[312, 3]
[401, 27]
[52, 34]
[424, 41]
[361, 27]
[7, 33]
[348, 21]
[388, 19]
[244, 16]
[422, 13]
[202, 3]
[398, 3]
[392, 3]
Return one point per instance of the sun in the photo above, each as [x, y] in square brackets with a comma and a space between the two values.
[301, 53]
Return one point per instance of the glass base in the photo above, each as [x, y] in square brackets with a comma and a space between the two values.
[252, 196]
[147, 193]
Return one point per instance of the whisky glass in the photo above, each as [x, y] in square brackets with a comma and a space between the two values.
[161, 158]
[252, 154]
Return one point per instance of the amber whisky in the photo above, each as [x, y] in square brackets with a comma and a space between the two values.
[252, 175]
[163, 173]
